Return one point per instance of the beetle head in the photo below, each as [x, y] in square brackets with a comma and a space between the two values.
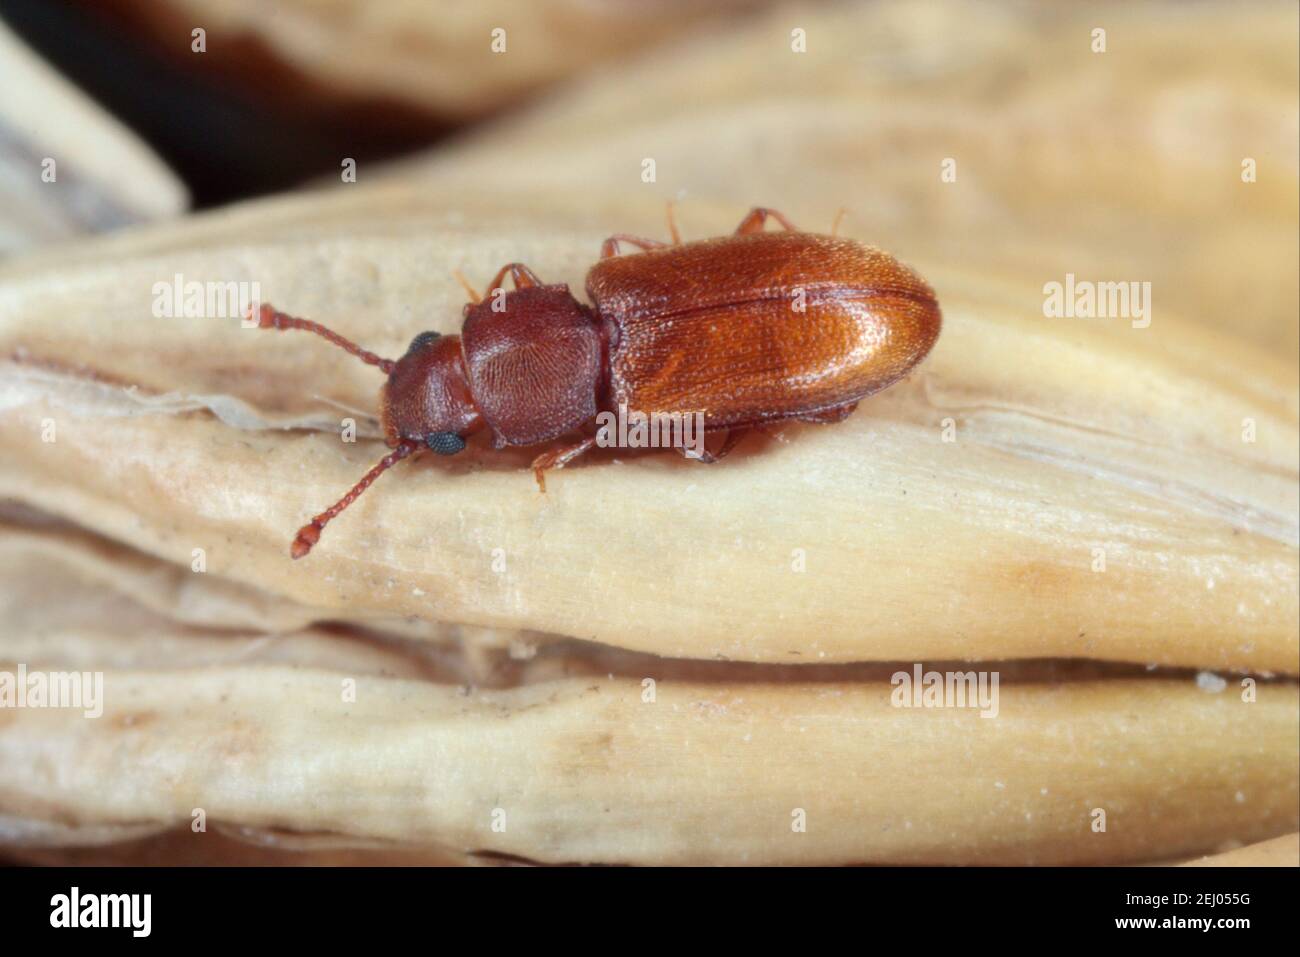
[426, 402]
[427, 398]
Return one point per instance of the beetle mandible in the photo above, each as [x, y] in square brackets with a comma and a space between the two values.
[708, 327]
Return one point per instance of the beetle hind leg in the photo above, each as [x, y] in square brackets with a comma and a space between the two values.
[828, 416]
[709, 458]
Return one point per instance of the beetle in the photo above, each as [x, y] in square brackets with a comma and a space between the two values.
[748, 329]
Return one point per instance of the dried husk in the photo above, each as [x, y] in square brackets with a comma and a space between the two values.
[260, 733]
[584, 770]
[1279, 852]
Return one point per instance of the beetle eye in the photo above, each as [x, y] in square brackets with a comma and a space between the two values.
[444, 443]
[422, 340]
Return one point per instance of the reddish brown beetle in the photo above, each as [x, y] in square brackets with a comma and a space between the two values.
[747, 329]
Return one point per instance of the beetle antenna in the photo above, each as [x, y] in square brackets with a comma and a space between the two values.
[270, 318]
[309, 534]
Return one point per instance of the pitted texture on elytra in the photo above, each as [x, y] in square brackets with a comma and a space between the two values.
[751, 328]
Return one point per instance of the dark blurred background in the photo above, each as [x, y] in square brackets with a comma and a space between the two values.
[200, 121]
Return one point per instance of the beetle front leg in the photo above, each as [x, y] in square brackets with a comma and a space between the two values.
[757, 219]
[559, 458]
[523, 277]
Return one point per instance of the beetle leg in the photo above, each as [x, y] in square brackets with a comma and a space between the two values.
[754, 222]
[521, 274]
[610, 246]
[559, 458]
[672, 225]
[708, 458]
[827, 416]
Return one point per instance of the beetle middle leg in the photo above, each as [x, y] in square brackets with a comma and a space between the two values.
[730, 442]
[757, 219]
[559, 458]
[610, 246]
